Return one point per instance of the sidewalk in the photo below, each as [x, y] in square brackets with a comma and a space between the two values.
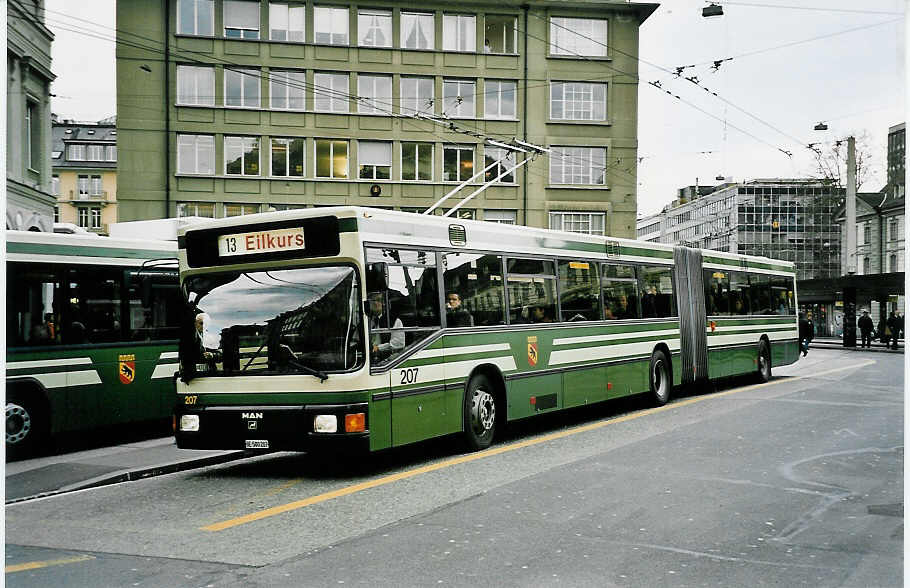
[877, 346]
[44, 476]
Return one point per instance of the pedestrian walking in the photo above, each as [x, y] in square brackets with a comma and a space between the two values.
[865, 328]
[895, 327]
[806, 332]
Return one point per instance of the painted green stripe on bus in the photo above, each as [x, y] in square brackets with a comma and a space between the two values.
[640, 252]
[267, 399]
[86, 251]
[749, 264]
[614, 342]
[755, 322]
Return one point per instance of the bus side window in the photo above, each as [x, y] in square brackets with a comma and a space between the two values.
[33, 306]
[760, 292]
[579, 291]
[717, 292]
[657, 298]
[620, 292]
[477, 281]
[739, 293]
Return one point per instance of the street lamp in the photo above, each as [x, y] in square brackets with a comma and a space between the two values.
[821, 127]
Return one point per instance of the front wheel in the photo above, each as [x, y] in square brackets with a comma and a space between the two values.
[764, 362]
[25, 427]
[479, 413]
[660, 382]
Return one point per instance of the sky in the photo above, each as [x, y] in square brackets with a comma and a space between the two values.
[843, 64]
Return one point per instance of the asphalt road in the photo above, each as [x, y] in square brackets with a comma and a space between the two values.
[794, 482]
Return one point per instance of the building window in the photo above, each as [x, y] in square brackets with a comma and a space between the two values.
[459, 32]
[457, 163]
[892, 263]
[110, 153]
[866, 267]
[196, 154]
[241, 19]
[83, 217]
[374, 28]
[195, 85]
[375, 158]
[97, 188]
[578, 165]
[287, 157]
[196, 17]
[82, 185]
[503, 160]
[417, 31]
[96, 217]
[500, 34]
[33, 128]
[417, 95]
[95, 153]
[585, 37]
[55, 185]
[330, 92]
[75, 152]
[241, 156]
[503, 217]
[56, 214]
[589, 223]
[867, 233]
[88, 185]
[287, 90]
[239, 209]
[417, 162]
[241, 88]
[331, 159]
[200, 209]
[458, 98]
[330, 25]
[578, 101]
[374, 94]
[499, 99]
[287, 22]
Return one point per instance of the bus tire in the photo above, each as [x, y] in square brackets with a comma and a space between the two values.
[659, 379]
[764, 362]
[479, 413]
[26, 425]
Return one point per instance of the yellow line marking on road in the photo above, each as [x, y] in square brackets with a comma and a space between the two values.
[34, 565]
[348, 490]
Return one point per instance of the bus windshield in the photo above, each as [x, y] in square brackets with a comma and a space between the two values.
[290, 321]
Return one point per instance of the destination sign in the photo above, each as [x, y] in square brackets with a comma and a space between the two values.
[258, 242]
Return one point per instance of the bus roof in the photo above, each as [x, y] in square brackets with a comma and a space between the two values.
[409, 229]
[84, 249]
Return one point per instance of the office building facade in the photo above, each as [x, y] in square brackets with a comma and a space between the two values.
[229, 107]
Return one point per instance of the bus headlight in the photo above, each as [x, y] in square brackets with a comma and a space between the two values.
[325, 423]
[189, 422]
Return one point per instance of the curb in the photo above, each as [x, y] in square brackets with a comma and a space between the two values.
[141, 474]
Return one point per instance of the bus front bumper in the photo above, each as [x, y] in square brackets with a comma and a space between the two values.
[274, 428]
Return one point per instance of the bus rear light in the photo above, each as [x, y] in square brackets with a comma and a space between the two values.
[189, 422]
[325, 423]
[355, 423]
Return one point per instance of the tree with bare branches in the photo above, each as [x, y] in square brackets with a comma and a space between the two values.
[831, 160]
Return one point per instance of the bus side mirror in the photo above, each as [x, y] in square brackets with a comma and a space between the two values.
[377, 277]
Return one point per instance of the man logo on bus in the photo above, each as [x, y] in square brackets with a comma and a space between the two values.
[532, 351]
[127, 369]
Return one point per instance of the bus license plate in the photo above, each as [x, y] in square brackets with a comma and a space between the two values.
[257, 444]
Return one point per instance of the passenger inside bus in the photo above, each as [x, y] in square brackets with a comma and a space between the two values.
[456, 314]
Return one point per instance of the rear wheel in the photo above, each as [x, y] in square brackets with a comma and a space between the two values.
[26, 426]
[764, 362]
[659, 378]
[479, 413]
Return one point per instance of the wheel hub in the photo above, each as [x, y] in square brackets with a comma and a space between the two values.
[18, 424]
[659, 377]
[483, 411]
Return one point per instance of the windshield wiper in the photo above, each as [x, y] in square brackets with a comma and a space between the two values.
[290, 356]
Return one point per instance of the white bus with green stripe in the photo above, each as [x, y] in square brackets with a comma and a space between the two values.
[330, 328]
[91, 334]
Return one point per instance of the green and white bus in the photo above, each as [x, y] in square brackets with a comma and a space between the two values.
[340, 327]
[91, 334]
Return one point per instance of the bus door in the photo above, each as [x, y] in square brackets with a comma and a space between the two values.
[692, 314]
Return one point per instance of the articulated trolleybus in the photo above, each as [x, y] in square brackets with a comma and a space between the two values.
[363, 328]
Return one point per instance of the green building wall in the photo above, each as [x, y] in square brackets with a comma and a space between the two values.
[148, 121]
